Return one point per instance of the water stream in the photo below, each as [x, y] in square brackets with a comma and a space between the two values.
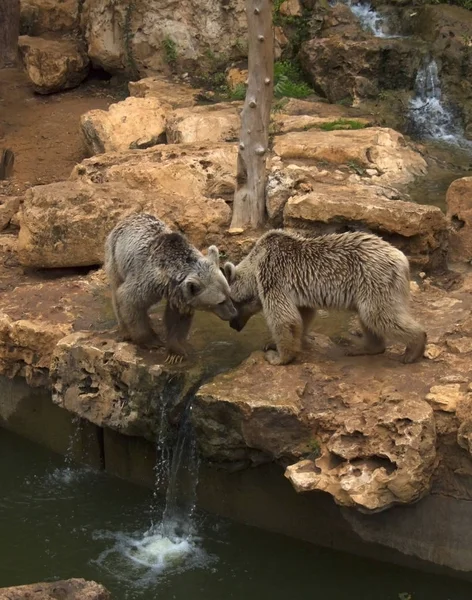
[370, 19]
[430, 116]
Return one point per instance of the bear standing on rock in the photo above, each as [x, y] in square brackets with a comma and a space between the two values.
[145, 262]
[289, 277]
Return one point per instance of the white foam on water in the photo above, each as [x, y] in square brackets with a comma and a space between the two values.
[143, 559]
[369, 18]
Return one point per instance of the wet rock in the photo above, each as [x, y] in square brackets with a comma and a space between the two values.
[343, 69]
[128, 37]
[378, 455]
[47, 16]
[68, 589]
[373, 147]
[53, 65]
[459, 213]
[112, 384]
[65, 224]
[418, 230]
[133, 123]
[174, 94]
[213, 123]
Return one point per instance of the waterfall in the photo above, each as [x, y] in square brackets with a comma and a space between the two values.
[429, 116]
[170, 542]
[369, 19]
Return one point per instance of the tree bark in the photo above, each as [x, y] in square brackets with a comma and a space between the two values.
[249, 198]
[9, 32]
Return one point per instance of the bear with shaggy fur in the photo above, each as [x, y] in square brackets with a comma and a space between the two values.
[145, 261]
[289, 277]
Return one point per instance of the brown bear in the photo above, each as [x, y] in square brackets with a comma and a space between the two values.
[289, 277]
[145, 261]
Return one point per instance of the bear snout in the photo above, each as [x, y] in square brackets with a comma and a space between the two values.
[236, 324]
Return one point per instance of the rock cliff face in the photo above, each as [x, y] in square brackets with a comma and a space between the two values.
[151, 35]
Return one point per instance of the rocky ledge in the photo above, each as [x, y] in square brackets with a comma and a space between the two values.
[69, 589]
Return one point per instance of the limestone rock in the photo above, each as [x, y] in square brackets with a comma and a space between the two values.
[121, 36]
[256, 427]
[65, 224]
[373, 147]
[459, 212]
[26, 347]
[47, 16]
[189, 170]
[418, 230]
[174, 94]
[236, 76]
[352, 69]
[110, 385]
[133, 123]
[291, 8]
[213, 123]
[378, 455]
[9, 206]
[69, 589]
[53, 65]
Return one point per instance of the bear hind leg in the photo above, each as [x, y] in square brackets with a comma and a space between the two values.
[373, 343]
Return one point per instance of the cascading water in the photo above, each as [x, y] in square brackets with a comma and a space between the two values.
[429, 116]
[369, 19]
[170, 543]
[71, 472]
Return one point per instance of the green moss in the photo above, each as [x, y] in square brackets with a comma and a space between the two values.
[342, 124]
[356, 167]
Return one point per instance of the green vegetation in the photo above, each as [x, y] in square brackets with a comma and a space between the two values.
[170, 51]
[288, 81]
[238, 92]
[356, 167]
[342, 124]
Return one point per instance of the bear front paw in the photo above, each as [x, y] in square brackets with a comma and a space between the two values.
[272, 357]
[270, 346]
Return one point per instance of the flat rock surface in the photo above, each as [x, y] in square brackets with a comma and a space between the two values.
[69, 589]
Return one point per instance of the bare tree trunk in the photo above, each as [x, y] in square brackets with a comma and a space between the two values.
[9, 31]
[249, 198]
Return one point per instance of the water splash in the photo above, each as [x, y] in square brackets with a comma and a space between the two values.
[71, 472]
[430, 117]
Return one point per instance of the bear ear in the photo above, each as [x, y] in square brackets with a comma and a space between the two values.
[192, 286]
[229, 271]
[214, 255]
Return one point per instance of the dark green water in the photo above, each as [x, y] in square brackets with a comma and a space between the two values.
[57, 523]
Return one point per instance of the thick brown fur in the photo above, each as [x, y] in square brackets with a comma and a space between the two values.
[145, 261]
[289, 277]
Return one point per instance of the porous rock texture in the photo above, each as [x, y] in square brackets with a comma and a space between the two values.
[53, 65]
[68, 589]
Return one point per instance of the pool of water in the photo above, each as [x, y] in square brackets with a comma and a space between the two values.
[58, 522]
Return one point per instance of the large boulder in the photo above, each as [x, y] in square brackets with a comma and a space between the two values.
[418, 230]
[132, 123]
[382, 149]
[343, 69]
[213, 123]
[459, 212]
[189, 170]
[46, 16]
[150, 35]
[53, 65]
[65, 224]
[69, 589]
[176, 95]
